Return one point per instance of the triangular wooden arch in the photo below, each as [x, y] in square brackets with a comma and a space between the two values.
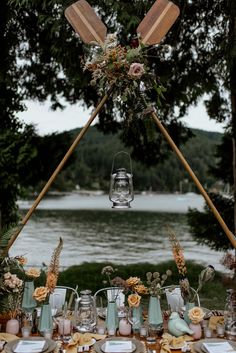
[152, 29]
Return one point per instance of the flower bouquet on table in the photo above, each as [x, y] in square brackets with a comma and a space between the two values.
[189, 294]
[42, 294]
[155, 282]
[135, 312]
[11, 290]
[11, 279]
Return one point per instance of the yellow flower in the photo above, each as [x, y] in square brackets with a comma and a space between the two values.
[133, 281]
[134, 300]
[196, 314]
[141, 289]
[40, 294]
[32, 272]
[51, 281]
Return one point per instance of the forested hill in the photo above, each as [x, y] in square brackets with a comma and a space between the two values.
[92, 166]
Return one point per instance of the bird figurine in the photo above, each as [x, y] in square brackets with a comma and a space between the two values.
[177, 326]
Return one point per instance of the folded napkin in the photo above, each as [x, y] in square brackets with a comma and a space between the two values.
[82, 339]
[214, 320]
[8, 337]
[168, 340]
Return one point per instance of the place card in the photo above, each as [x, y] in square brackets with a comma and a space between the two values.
[29, 346]
[118, 346]
[218, 347]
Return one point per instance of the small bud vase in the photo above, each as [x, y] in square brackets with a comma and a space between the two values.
[112, 316]
[28, 301]
[45, 319]
[197, 330]
[154, 312]
[12, 326]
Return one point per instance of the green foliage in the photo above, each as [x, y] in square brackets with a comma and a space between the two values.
[206, 229]
[5, 237]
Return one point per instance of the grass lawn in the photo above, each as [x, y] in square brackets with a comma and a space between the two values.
[88, 276]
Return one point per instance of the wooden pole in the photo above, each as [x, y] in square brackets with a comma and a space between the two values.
[58, 169]
[229, 234]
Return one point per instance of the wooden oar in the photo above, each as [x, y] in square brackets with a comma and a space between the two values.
[86, 23]
[58, 169]
[229, 234]
[157, 22]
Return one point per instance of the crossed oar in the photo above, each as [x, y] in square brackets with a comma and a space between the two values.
[151, 30]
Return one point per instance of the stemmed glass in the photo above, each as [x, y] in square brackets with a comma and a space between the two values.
[134, 319]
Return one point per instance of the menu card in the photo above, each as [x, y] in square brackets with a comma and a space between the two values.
[219, 347]
[29, 346]
[118, 346]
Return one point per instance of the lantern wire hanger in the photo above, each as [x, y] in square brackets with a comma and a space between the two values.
[121, 184]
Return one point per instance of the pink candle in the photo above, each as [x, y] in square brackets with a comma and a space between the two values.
[124, 327]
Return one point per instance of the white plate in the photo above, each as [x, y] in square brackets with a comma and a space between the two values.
[90, 344]
[130, 351]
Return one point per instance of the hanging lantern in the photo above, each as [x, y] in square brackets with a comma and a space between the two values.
[121, 185]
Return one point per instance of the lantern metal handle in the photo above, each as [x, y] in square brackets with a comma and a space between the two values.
[114, 157]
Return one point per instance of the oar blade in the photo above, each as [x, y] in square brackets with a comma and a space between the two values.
[157, 22]
[86, 23]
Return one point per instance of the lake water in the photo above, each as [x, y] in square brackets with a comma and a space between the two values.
[93, 232]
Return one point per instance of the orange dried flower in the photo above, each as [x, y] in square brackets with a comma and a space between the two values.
[141, 289]
[32, 272]
[133, 281]
[51, 281]
[40, 294]
[134, 300]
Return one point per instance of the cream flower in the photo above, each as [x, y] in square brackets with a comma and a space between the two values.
[136, 70]
[40, 293]
[134, 300]
[32, 272]
[196, 314]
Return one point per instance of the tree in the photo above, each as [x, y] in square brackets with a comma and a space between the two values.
[42, 59]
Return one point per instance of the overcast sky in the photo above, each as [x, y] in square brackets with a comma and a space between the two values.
[48, 121]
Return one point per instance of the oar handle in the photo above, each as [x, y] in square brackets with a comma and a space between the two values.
[229, 234]
[59, 168]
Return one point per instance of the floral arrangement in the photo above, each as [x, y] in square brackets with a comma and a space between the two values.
[41, 294]
[11, 286]
[196, 315]
[125, 69]
[205, 275]
[137, 289]
[155, 282]
[132, 285]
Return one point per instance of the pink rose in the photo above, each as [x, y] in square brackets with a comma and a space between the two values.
[136, 70]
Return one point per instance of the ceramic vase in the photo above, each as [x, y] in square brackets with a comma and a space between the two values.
[28, 301]
[155, 318]
[188, 306]
[12, 326]
[112, 316]
[197, 330]
[45, 319]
